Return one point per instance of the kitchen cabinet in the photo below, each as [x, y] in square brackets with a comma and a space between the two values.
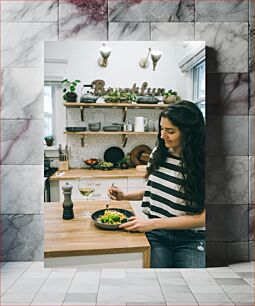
[123, 106]
[128, 180]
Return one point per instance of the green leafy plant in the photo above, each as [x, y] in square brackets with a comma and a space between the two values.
[49, 140]
[171, 97]
[118, 96]
[69, 90]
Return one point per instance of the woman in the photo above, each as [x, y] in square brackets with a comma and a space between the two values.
[175, 191]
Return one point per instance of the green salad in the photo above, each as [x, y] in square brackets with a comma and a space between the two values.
[113, 217]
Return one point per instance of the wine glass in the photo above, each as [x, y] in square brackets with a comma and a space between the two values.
[87, 188]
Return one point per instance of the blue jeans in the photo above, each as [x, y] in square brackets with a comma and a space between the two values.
[177, 248]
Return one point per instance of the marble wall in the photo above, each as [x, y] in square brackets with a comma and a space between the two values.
[228, 29]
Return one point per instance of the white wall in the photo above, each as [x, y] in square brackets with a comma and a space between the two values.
[123, 69]
[78, 60]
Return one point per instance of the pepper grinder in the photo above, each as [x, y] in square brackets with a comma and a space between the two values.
[67, 204]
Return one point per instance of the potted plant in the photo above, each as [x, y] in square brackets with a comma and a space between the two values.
[124, 162]
[49, 140]
[69, 90]
[171, 97]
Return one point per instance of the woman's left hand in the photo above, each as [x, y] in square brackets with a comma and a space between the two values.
[135, 224]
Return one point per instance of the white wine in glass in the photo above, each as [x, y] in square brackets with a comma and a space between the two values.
[87, 188]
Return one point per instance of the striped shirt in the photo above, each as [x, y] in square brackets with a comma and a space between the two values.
[163, 196]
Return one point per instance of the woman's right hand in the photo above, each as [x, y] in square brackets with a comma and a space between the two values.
[115, 193]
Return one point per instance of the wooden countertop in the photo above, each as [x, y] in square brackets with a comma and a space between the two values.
[73, 174]
[80, 236]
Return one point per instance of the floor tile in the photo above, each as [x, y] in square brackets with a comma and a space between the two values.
[84, 285]
[81, 297]
[180, 299]
[230, 281]
[213, 299]
[58, 273]
[222, 272]
[243, 267]
[49, 299]
[249, 281]
[242, 299]
[197, 273]
[174, 289]
[114, 273]
[237, 288]
[146, 304]
[88, 274]
[246, 274]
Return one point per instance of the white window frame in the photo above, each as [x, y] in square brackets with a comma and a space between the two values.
[196, 79]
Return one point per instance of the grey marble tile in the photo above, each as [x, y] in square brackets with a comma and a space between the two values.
[128, 31]
[22, 237]
[227, 94]
[172, 31]
[251, 250]
[29, 10]
[83, 20]
[251, 69]
[22, 142]
[25, 48]
[227, 42]
[151, 10]
[21, 192]
[238, 251]
[227, 223]
[251, 180]
[251, 222]
[251, 10]
[251, 135]
[234, 10]
[230, 281]
[216, 252]
[227, 135]
[22, 97]
[227, 180]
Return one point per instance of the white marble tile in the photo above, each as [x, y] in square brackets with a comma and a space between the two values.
[234, 10]
[22, 142]
[214, 299]
[29, 10]
[172, 31]
[128, 31]
[22, 185]
[83, 20]
[228, 42]
[44, 298]
[22, 93]
[147, 10]
[114, 273]
[180, 299]
[243, 267]
[242, 298]
[26, 47]
[129, 291]
[222, 272]
[84, 285]
[22, 237]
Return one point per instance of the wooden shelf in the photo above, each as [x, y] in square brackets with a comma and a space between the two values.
[115, 105]
[111, 133]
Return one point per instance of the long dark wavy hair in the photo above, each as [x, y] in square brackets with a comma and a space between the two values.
[189, 119]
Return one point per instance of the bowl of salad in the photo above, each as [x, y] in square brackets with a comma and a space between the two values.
[111, 218]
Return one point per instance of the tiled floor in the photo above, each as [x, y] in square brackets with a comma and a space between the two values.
[28, 283]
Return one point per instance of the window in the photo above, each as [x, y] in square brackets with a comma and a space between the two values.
[198, 76]
[49, 109]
